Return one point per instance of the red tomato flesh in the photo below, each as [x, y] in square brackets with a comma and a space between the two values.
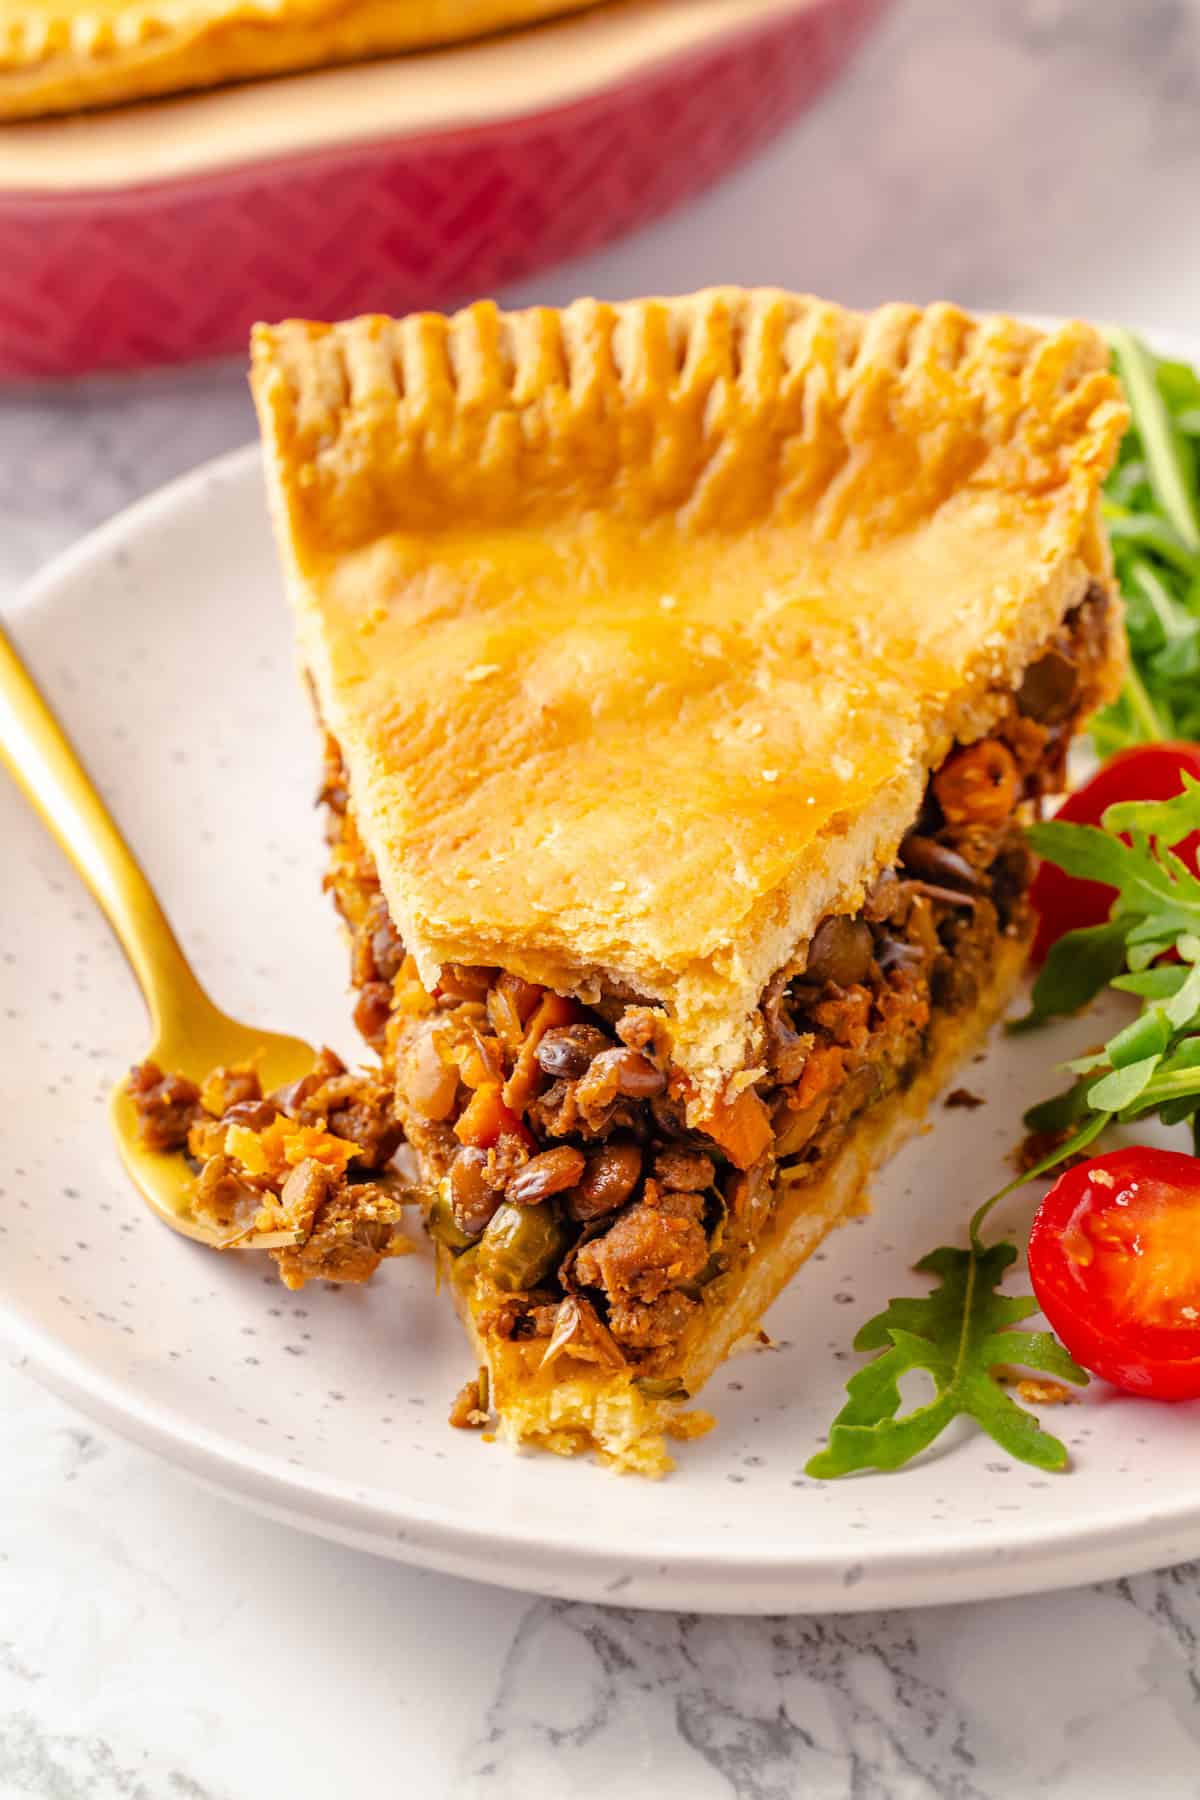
[1115, 1261]
[1144, 772]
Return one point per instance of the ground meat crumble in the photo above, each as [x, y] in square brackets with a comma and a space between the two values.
[306, 1166]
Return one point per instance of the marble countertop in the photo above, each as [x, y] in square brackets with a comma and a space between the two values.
[158, 1644]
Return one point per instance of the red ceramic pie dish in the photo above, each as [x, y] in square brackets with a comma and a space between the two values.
[158, 233]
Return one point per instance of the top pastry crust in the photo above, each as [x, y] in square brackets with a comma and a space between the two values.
[641, 626]
[61, 55]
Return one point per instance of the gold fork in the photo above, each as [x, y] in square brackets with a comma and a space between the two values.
[191, 1035]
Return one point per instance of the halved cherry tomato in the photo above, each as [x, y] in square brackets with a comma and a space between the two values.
[1115, 1261]
[1143, 772]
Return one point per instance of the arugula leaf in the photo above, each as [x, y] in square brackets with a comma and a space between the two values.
[1087, 1065]
[959, 1334]
[1148, 1036]
[1082, 850]
[1078, 966]
[1179, 386]
[1153, 514]
[1153, 1064]
[1157, 983]
[1158, 897]
[1120, 1089]
[1149, 531]
[1061, 1111]
[1170, 821]
[1183, 1006]
[1169, 463]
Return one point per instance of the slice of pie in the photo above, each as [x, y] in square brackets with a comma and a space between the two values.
[63, 55]
[688, 667]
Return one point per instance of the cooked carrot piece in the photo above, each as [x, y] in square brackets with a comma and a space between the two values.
[486, 1119]
[553, 1009]
[741, 1127]
[978, 784]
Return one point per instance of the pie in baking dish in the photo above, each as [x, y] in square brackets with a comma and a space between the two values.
[687, 668]
[64, 55]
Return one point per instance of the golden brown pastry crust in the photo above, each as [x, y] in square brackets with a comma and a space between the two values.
[641, 626]
[63, 55]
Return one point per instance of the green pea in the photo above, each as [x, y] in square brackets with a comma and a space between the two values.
[523, 1245]
[665, 1387]
[441, 1224]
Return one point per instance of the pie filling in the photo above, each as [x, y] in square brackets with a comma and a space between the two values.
[575, 1201]
[305, 1172]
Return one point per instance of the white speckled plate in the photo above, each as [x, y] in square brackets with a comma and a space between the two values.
[164, 642]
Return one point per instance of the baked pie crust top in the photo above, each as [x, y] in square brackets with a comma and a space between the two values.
[58, 55]
[640, 626]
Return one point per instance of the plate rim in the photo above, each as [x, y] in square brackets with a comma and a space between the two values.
[738, 1578]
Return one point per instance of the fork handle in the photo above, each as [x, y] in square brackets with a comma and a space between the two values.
[37, 753]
